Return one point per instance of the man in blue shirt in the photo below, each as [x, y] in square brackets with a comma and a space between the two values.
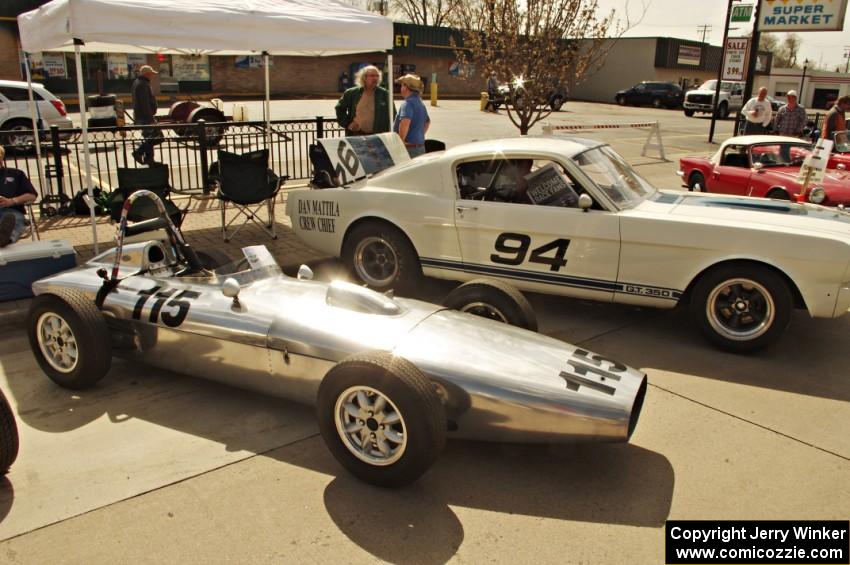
[16, 191]
[412, 121]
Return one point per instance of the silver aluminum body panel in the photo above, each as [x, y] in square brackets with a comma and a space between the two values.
[282, 336]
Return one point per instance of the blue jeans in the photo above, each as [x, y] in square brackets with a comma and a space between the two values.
[19, 222]
[416, 151]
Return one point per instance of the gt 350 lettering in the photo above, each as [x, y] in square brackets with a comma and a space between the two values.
[648, 291]
[514, 248]
[181, 301]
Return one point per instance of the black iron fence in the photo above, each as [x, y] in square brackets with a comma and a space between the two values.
[187, 148]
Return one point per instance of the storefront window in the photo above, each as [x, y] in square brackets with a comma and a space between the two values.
[190, 68]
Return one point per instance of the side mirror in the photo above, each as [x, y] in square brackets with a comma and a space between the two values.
[585, 202]
[757, 167]
[305, 273]
[841, 167]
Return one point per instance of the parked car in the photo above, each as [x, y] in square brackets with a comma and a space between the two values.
[658, 94]
[731, 98]
[15, 116]
[391, 378]
[764, 166]
[516, 92]
[741, 265]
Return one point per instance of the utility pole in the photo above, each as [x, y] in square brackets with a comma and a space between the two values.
[751, 65]
[720, 72]
[703, 29]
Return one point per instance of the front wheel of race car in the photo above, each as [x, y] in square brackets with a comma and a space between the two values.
[381, 256]
[741, 307]
[8, 435]
[381, 418]
[69, 338]
[494, 300]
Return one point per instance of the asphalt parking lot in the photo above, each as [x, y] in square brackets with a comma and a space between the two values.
[151, 466]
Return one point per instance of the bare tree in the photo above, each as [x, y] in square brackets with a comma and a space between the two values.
[537, 45]
[426, 12]
[784, 53]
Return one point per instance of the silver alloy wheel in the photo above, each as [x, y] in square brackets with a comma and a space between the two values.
[485, 311]
[370, 425]
[57, 342]
[375, 261]
[740, 309]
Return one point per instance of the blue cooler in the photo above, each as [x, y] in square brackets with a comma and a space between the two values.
[23, 263]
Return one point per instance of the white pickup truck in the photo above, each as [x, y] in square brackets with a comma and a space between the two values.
[701, 100]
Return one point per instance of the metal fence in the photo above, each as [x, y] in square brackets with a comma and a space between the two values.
[188, 150]
[815, 119]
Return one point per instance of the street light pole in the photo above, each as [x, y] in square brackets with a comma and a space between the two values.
[803, 80]
[720, 71]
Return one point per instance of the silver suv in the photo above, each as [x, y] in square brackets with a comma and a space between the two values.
[15, 117]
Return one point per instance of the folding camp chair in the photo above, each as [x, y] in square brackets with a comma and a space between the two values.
[153, 178]
[246, 182]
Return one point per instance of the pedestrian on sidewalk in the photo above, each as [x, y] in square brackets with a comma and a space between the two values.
[412, 121]
[144, 110]
[757, 112]
[363, 109]
[790, 118]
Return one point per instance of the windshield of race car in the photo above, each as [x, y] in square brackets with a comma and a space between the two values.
[614, 176]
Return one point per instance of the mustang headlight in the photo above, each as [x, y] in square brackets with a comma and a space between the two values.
[817, 195]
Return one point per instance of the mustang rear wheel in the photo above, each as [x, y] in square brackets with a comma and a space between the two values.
[494, 300]
[741, 308]
[381, 256]
[70, 339]
[8, 435]
[381, 418]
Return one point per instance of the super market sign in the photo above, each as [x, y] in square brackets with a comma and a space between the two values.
[802, 15]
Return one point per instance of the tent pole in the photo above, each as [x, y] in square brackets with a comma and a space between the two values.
[390, 85]
[35, 129]
[81, 93]
[267, 104]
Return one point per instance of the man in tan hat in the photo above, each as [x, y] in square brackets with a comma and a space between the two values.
[791, 118]
[144, 110]
[412, 121]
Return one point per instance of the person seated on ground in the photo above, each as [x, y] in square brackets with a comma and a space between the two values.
[16, 191]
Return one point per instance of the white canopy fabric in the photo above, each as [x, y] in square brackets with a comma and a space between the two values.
[219, 27]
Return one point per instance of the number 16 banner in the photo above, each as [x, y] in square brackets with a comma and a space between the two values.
[358, 156]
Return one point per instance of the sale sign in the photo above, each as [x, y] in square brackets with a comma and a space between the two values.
[735, 58]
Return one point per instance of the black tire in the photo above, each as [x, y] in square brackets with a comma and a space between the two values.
[657, 103]
[415, 439]
[723, 111]
[16, 141]
[8, 435]
[695, 179]
[381, 256]
[556, 103]
[741, 307]
[779, 194]
[78, 318]
[495, 300]
[621, 100]
[689, 113]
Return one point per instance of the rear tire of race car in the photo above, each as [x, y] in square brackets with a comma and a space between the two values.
[381, 418]
[494, 300]
[8, 435]
[381, 256]
[69, 338]
[741, 307]
[689, 113]
[696, 183]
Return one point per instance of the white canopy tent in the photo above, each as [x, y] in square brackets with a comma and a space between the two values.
[202, 27]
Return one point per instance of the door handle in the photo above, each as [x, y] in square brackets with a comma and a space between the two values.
[461, 209]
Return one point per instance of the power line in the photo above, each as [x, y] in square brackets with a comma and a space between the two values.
[703, 29]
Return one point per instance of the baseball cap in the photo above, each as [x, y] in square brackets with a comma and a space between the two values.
[147, 69]
[791, 93]
[412, 82]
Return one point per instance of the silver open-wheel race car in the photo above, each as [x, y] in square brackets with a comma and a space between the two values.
[391, 378]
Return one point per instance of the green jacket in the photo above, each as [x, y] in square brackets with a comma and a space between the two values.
[347, 106]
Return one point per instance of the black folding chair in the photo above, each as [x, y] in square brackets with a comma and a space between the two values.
[153, 178]
[246, 182]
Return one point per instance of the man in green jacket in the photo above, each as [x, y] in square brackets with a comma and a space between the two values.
[362, 109]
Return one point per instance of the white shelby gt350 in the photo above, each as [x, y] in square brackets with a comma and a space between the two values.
[571, 217]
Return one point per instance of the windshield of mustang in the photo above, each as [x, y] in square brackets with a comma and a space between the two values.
[614, 176]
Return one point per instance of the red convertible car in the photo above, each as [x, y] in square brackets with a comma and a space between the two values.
[762, 165]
